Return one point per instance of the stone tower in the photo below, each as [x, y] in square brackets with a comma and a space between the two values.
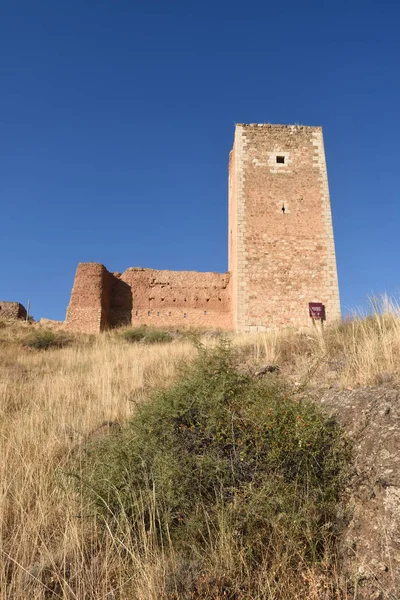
[281, 247]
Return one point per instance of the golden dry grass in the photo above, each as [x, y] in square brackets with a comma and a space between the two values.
[52, 401]
[360, 351]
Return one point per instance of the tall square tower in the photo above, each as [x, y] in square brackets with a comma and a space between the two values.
[281, 246]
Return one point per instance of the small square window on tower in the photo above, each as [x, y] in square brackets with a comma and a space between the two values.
[280, 160]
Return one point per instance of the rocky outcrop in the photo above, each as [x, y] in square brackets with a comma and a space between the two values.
[371, 544]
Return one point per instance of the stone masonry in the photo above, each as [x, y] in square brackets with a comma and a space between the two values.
[281, 250]
[12, 310]
[101, 300]
[282, 253]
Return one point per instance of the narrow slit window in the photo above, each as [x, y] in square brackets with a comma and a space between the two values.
[148, 313]
[283, 208]
[280, 160]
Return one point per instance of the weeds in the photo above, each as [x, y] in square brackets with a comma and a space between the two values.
[147, 335]
[134, 335]
[45, 339]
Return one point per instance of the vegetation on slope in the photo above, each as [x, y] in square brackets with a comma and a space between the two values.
[146, 335]
[55, 404]
[230, 476]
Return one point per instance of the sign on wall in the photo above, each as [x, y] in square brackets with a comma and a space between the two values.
[317, 310]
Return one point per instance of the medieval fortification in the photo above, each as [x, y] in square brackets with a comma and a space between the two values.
[281, 250]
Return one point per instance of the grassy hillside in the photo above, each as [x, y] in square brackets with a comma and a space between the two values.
[80, 393]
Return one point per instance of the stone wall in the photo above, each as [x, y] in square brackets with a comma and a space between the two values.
[282, 249]
[102, 300]
[12, 310]
[180, 298]
[90, 299]
[232, 233]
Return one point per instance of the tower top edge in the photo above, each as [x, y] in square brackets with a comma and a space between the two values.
[278, 126]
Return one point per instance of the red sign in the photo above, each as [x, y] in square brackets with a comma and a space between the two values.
[317, 310]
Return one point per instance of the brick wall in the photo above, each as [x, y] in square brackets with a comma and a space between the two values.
[12, 310]
[280, 217]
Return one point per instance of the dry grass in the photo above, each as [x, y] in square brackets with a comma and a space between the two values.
[52, 401]
[360, 351]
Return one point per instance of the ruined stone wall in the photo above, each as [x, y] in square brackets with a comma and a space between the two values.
[90, 299]
[12, 310]
[179, 298]
[281, 222]
[101, 300]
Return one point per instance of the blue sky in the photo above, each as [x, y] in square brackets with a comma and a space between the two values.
[116, 119]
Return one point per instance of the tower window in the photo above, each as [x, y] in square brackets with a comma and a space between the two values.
[280, 160]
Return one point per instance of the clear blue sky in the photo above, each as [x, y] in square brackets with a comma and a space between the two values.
[116, 119]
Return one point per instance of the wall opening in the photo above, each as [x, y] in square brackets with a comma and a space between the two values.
[280, 160]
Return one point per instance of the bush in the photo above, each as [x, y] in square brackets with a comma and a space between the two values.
[134, 335]
[157, 336]
[43, 340]
[223, 455]
[147, 335]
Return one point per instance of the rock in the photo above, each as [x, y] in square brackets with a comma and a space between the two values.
[371, 544]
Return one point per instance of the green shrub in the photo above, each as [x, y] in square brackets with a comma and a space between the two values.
[223, 454]
[45, 339]
[134, 335]
[147, 335]
[157, 336]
